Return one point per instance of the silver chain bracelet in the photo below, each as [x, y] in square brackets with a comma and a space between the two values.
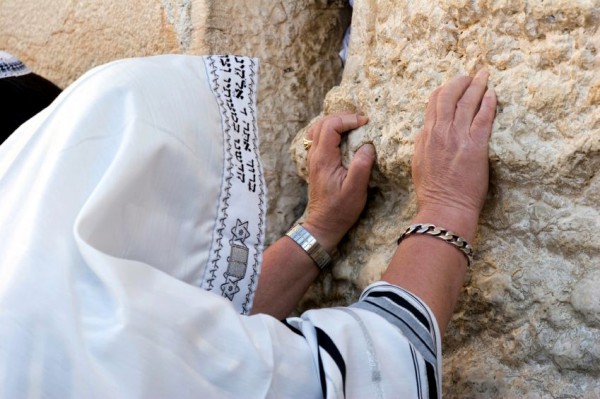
[446, 235]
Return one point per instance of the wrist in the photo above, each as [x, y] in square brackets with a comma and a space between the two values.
[310, 245]
[327, 239]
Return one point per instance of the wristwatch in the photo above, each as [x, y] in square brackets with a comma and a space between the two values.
[310, 245]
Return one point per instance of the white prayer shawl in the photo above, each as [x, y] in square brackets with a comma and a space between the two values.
[132, 223]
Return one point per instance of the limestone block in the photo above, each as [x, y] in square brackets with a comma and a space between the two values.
[63, 39]
[527, 324]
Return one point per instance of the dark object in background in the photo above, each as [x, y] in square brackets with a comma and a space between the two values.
[22, 94]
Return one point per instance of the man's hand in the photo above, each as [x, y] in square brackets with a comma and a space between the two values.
[336, 195]
[450, 165]
[450, 172]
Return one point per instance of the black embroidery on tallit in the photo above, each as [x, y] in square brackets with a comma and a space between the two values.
[233, 82]
[257, 250]
[228, 171]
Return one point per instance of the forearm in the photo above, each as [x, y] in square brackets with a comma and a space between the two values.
[287, 272]
[450, 172]
[431, 268]
[336, 198]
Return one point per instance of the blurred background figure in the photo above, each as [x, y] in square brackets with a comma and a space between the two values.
[22, 94]
[346, 41]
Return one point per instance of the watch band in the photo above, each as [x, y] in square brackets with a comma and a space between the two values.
[310, 245]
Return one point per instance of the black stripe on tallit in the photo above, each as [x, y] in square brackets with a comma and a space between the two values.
[417, 372]
[403, 303]
[322, 375]
[291, 327]
[431, 350]
[326, 343]
[431, 382]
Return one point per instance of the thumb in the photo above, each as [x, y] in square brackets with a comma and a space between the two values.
[360, 167]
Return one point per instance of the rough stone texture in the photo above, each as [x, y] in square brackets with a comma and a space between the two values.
[63, 39]
[296, 41]
[528, 323]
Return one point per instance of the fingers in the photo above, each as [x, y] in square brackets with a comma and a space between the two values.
[448, 97]
[481, 128]
[360, 167]
[464, 102]
[333, 127]
[312, 135]
[326, 141]
[313, 129]
[469, 103]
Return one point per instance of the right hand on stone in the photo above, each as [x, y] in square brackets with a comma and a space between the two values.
[450, 163]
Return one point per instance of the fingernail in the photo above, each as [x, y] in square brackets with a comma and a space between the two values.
[482, 73]
[361, 119]
[369, 149]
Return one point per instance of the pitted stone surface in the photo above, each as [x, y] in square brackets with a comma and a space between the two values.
[528, 322]
[61, 40]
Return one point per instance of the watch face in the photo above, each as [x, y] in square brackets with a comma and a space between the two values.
[310, 245]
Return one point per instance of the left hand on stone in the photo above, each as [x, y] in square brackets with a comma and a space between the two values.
[336, 195]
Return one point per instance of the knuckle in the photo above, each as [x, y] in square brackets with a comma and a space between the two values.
[477, 126]
[362, 161]
[466, 102]
[331, 122]
[483, 121]
[325, 127]
[441, 127]
[317, 163]
[444, 120]
[445, 93]
[465, 80]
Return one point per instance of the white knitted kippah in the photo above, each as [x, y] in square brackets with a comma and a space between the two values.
[11, 66]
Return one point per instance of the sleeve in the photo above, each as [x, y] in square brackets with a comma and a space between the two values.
[126, 330]
[385, 345]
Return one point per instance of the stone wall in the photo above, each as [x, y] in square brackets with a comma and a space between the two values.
[296, 41]
[528, 323]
